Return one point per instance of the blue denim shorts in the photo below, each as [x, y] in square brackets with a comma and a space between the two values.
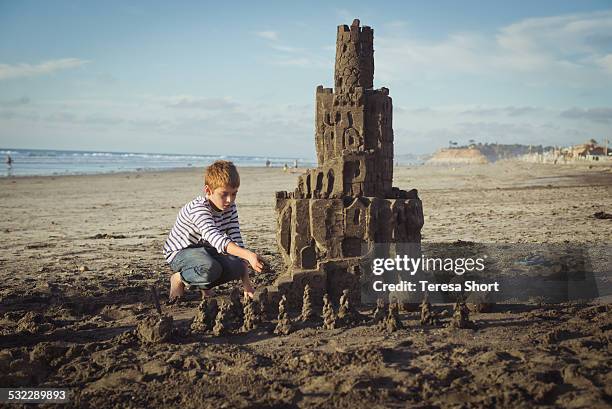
[205, 268]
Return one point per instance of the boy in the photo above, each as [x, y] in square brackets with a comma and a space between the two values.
[205, 247]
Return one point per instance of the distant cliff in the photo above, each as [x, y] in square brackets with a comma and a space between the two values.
[484, 153]
[450, 156]
[495, 152]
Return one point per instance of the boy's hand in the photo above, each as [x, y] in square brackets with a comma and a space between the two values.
[256, 262]
[253, 259]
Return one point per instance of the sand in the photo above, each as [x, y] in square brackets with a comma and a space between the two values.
[80, 253]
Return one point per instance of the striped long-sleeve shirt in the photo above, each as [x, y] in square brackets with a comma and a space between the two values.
[198, 224]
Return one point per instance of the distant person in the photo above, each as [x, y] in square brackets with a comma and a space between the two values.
[9, 161]
[295, 163]
[285, 167]
[268, 163]
[205, 247]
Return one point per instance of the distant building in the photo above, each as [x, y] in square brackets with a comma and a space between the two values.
[589, 150]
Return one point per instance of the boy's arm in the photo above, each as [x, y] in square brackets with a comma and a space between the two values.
[234, 231]
[203, 219]
[252, 258]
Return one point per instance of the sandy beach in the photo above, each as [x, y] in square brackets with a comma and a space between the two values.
[79, 254]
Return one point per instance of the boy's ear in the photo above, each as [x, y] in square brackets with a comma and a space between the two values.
[207, 190]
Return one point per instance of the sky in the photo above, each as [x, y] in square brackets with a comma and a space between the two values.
[239, 78]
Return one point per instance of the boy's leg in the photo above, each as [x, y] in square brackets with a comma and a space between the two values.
[194, 267]
[235, 268]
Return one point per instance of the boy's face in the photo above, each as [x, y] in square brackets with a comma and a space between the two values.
[221, 197]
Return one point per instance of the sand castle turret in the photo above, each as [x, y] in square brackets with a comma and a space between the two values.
[380, 314]
[347, 203]
[328, 315]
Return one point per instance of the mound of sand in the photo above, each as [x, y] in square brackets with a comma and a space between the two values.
[467, 156]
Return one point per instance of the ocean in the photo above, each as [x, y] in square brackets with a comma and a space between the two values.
[43, 162]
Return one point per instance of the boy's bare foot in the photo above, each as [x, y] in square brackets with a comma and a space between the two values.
[177, 288]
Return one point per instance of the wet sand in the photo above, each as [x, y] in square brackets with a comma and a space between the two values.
[80, 253]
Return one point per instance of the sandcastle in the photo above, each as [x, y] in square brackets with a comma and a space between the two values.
[380, 313]
[393, 322]
[251, 315]
[308, 313]
[205, 317]
[428, 315]
[155, 328]
[222, 325]
[328, 315]
[347, 203]
[347, 314]
[283, 325]
[461, 317]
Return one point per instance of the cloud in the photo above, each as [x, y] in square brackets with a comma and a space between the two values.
[106, 78]
[506, 111]
[282, 58]
[568, 43]
[268, 35]
[592, 114]
[404, 57]
[8, 71]
[285, 48]
[191, 102]
[306, 58]
[518, 111]
[201, 123]
[424, 129]
[16, 102]
[299, 62]
[397, 24]
[605, 63]
[266, 128]
[573, 50]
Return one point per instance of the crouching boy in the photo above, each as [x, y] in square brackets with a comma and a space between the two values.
[204, 247]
